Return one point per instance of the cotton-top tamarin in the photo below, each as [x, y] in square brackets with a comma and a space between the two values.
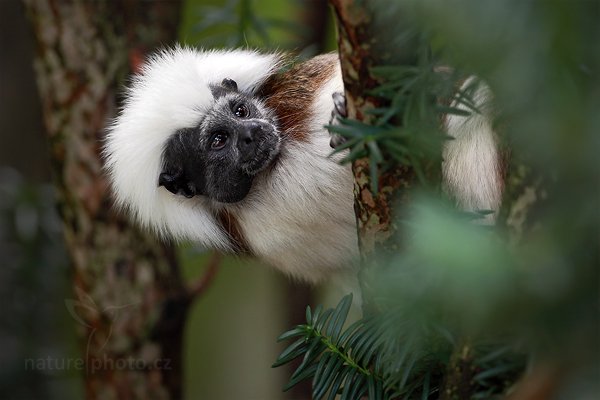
[229, 150]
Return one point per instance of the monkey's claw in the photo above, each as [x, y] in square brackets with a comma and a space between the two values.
[339, 101]
[339, 111]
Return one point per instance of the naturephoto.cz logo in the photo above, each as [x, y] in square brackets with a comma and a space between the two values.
[83, 310]
[95, 364]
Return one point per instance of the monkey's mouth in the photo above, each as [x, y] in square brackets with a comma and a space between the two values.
[266, 151]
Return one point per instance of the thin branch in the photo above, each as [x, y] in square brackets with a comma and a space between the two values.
[198, 287]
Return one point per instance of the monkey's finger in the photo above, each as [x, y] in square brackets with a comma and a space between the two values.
[339, 102]
[336, 140]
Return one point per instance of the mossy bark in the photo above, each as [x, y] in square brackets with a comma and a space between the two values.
[374, 211]
[131, 303]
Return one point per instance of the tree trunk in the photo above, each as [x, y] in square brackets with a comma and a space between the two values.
[131, 302]
[359, 39]
[356, 39]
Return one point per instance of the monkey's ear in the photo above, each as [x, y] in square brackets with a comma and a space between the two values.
[229, 84]
[226, 86]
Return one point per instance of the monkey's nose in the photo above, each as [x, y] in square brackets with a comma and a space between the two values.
[247, 138]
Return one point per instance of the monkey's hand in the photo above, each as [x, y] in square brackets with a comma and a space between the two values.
[339, 111]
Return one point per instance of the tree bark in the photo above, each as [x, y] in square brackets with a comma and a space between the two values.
[131, 302]
[356, 43]
[359, 41]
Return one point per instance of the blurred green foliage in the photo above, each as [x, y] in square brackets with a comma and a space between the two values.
[241, 23]
[275, 25]
[526, 289]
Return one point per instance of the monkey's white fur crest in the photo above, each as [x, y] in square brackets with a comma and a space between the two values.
[172, 93]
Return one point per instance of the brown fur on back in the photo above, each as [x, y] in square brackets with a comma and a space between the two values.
[291, 93]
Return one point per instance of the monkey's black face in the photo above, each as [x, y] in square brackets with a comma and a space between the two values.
[219, 158]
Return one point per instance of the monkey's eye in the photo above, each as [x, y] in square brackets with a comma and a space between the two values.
[241, 111]
[219, 140]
